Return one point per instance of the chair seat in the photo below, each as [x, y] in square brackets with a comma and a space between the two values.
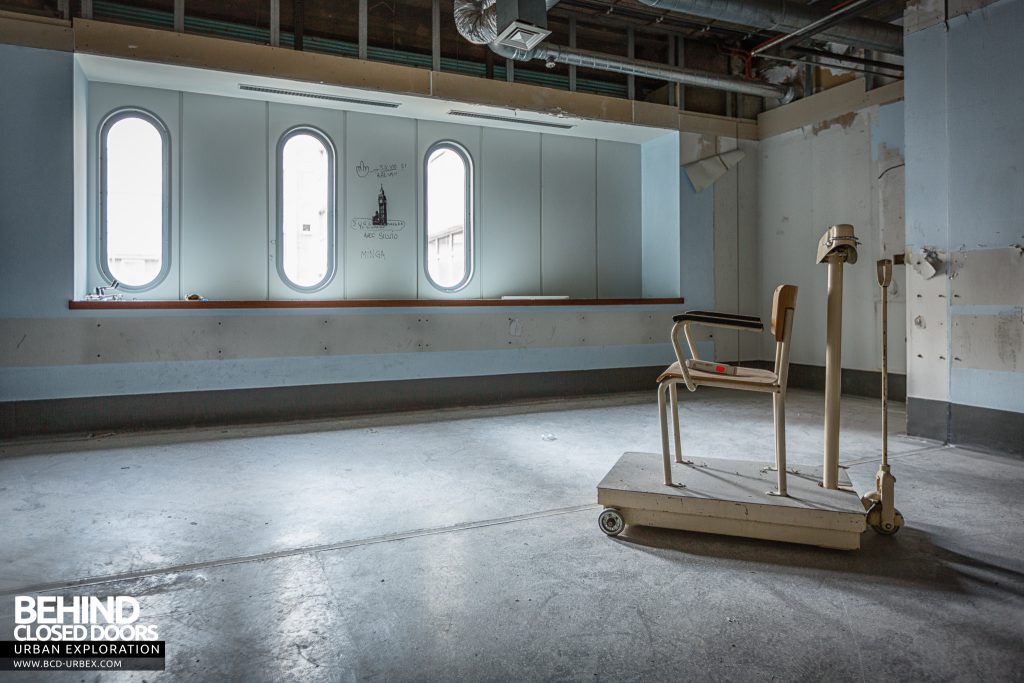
[749, 376]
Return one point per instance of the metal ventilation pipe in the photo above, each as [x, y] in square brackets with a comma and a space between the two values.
[786, 16]
[634, 67]
[476, 21]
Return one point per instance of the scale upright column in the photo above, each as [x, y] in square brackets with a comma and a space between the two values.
[837, 247]
[833, 369]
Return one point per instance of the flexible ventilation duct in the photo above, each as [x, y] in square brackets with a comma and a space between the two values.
[784, 16]
[475, 20]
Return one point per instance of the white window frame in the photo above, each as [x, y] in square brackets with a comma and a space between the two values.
[469, 240]
[108, 122]
[332, 225]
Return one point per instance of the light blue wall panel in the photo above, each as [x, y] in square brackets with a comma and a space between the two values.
[568, 216]
[987, 389]
[509, 213]
[36, 182]
[119, 379]
[697, 217]
[660, 241]
[965, 186]
[927, 170]
[224, 201]
[619, 215]
[986, 120]
[887, 129]
[380, 152]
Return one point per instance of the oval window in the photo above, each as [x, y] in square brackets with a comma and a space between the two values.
[305, 226]
[448, 213]
[135, 199]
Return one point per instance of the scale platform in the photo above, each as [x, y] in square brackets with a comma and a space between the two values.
[730, 497]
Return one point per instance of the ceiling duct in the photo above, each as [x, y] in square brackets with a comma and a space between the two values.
[522, 24]
[559, 54]
[477, 21]
[787, 16]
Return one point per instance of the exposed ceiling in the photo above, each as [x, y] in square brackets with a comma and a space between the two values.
[405, 26]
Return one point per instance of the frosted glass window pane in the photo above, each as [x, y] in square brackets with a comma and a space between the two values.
[135, 169]
[306, 196]
[448, 188]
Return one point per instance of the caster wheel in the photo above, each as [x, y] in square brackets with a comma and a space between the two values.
[875, 520]
[611, 522]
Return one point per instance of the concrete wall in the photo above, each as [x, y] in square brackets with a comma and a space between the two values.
[965, 202]
[846, 169]
[222, 249]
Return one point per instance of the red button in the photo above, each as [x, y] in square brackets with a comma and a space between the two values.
[719, 368]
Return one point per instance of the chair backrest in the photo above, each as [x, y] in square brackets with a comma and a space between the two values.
[783, 302]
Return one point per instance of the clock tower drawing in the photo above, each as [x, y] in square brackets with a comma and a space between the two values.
[381, 217]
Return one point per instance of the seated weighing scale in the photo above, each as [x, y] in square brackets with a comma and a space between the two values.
[758, 499]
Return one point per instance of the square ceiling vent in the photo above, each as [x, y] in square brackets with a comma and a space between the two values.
[522, 36]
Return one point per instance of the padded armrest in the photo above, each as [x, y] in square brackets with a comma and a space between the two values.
[731, 319]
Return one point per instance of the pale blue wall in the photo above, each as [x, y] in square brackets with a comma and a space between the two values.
[660, 216]
[42, 124]
[965, 160]
[36, 181]
[887, 128]
[697, 247]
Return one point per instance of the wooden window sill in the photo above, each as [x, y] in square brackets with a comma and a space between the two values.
[357, 303]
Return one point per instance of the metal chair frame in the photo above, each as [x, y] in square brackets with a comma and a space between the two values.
[783, 309]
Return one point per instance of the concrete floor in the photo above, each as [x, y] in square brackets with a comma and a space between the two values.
[463, 545]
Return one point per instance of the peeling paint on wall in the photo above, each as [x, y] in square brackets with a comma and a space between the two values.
[844, 121]
[887, 132]
[927, 263]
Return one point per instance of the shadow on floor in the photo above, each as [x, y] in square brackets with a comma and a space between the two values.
[910, 558]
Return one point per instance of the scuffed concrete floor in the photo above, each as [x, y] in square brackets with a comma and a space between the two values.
[463, 545]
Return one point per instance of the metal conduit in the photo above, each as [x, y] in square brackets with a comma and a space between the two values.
[815, 27]
[786, 16]
[634, 67]
[476, 21]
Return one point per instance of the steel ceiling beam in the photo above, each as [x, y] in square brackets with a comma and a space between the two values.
[848, 11]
